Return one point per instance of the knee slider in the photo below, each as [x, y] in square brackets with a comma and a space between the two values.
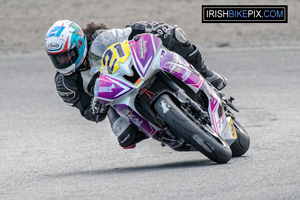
[131, 136]
[128, 136]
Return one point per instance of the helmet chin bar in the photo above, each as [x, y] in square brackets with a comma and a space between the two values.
[67, 71]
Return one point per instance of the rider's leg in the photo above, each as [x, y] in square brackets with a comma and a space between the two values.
[177, 41]
[128, 134]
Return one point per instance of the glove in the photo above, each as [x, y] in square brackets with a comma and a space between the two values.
[157, 28]
[98, 109]
[162, 30]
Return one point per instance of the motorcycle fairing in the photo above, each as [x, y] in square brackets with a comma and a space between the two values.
[148, 57]
[114, 55]
[144, 49]
[127, 112]
[177, 66]
[110, 88]
[174, 64]
[145, 126]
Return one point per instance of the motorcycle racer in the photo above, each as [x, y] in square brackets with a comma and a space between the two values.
[76, 53]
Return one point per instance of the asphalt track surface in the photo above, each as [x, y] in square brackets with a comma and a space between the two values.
[48, 151]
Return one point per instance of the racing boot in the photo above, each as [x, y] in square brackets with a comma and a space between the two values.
[217, 80]
[177, 41]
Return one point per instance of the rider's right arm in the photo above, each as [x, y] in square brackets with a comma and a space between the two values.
[66, 88]
[70, 90]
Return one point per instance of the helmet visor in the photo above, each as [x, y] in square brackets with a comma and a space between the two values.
[65, 59]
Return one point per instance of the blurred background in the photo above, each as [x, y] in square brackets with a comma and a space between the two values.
[48, 151]
[24, 23]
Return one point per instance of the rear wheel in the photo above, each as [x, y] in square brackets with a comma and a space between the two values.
[204, 140]
[242, 143]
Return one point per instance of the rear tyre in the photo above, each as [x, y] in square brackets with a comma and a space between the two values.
[242, 143]
[210, 144]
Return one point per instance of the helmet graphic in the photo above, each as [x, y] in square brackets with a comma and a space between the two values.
[66, 46]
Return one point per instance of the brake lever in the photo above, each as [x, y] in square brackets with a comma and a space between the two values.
[230, 104]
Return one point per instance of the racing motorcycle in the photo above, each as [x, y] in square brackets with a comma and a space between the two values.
[166, 98]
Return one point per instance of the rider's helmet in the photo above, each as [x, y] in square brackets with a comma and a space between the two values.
[66, 46]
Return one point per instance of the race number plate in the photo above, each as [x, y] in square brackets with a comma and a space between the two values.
[113, 55]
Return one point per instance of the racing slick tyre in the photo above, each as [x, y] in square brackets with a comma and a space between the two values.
[242, 143]
[209, 144]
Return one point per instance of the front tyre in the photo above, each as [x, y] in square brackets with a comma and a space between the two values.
[211, 145]
[242, 143]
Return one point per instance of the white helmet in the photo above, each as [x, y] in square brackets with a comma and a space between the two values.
[66, 46]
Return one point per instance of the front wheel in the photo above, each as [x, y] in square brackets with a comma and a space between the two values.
[242, 143]
[210, 144]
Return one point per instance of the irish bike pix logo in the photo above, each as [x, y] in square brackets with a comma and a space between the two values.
[244, 14]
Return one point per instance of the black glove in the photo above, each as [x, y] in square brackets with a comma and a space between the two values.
[157, 28]
[98, 109]
[162, 30]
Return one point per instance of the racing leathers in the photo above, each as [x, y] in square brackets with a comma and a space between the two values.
[77, 90]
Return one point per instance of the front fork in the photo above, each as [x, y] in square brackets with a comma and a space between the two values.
[190, 106]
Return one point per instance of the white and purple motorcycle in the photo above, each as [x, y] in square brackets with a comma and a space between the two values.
[166, 98]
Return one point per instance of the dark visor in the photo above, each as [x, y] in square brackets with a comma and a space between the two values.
[65, 59]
